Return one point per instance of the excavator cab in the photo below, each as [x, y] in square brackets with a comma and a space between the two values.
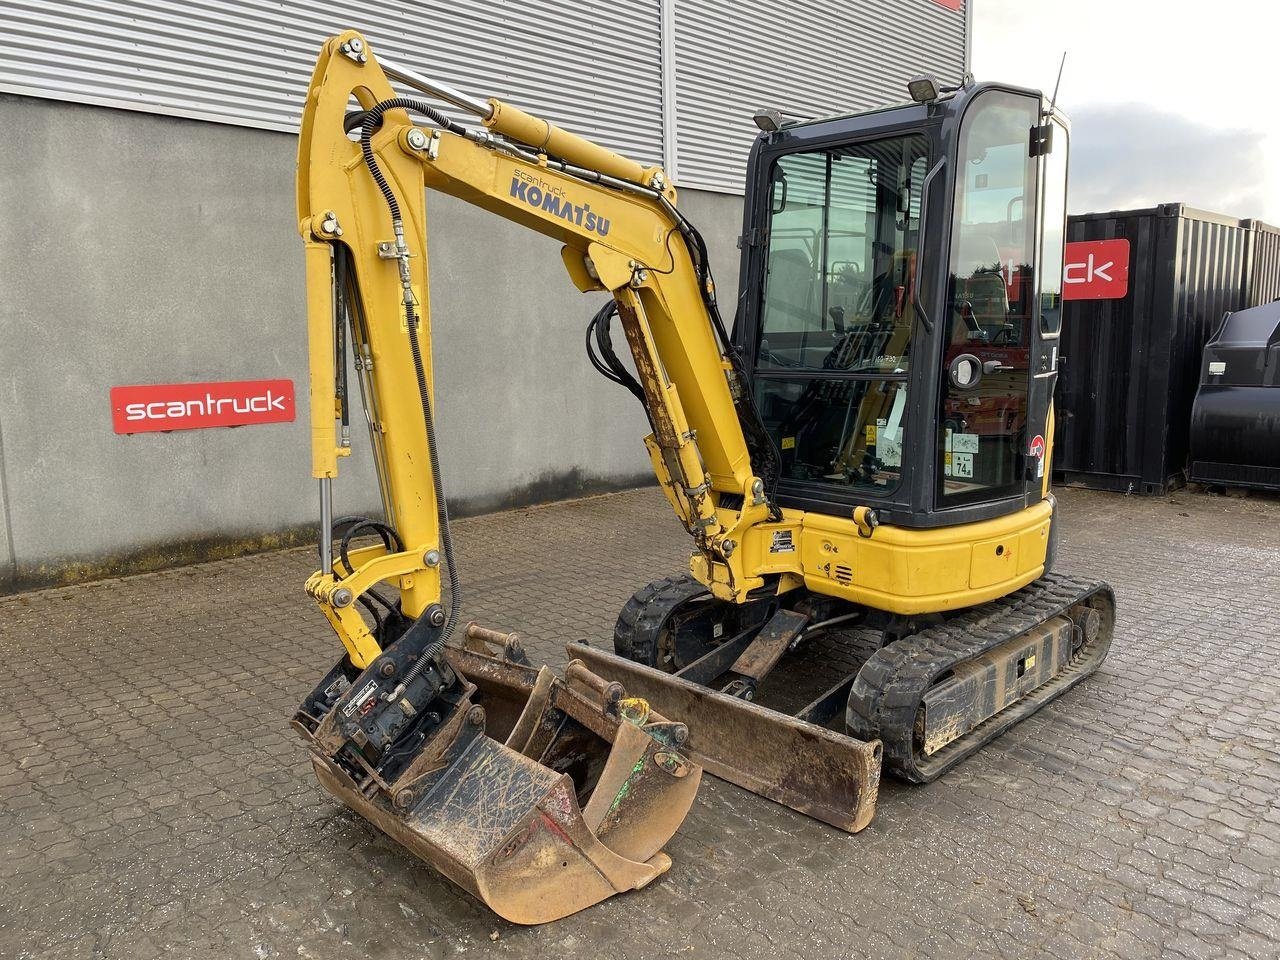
[898, 324]
[899, 311]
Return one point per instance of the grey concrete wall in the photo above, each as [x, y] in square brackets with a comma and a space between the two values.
[7, 565]
[139, 249]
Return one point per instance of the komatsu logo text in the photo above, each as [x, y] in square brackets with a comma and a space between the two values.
[546, 196]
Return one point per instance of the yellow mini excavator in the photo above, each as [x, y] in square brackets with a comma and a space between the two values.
[862, 467]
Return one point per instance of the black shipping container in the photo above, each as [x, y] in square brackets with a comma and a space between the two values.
[1264, 275]
[1130, 366]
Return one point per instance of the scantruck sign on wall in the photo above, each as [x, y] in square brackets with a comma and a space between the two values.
[1096, 270]
[147, 408]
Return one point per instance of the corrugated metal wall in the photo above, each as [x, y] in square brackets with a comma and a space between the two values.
[1264, 267]
[807, 58]
[593, 66]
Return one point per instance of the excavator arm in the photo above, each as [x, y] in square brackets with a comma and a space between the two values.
[621, 233]
[539, 795]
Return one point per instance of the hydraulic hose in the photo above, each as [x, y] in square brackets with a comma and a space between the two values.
[606, 360]
[442, 512]
[371, 120]
[764, 455]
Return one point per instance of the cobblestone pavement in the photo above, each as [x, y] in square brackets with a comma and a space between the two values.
[153, 801]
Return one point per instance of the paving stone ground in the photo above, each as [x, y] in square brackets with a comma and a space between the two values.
[153, 801]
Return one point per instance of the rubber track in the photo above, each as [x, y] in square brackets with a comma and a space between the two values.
[635, 635]
[887, 693]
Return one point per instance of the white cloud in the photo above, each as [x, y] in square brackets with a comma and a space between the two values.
[1170, 100]
[1131, 155]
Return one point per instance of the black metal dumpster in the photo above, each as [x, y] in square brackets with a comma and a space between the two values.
[1132, 351]
[1235, 423]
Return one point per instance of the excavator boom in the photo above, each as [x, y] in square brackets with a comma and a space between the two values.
[537, 794]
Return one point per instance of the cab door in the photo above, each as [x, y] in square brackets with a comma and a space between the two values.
[991, 442]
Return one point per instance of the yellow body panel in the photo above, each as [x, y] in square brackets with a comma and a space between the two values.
[898, 569]
[924, 571]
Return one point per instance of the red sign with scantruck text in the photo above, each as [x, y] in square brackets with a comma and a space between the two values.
[147, 408]
[1096, 270]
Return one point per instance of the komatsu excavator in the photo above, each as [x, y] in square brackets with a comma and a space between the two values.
[862, 467]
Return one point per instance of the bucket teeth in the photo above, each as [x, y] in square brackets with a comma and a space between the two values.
[540, 796]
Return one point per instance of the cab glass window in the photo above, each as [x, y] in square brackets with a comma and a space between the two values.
[841, 259]
[1055, 224]
[836, 431]
[982, 431]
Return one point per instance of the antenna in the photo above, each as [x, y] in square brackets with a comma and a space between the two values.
[1057, 83]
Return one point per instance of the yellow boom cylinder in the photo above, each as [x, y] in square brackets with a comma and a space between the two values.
[546, 137]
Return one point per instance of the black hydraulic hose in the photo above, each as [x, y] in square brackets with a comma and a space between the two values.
[390, 539]
[604, 340]
[374, 612]
[606, 361]
[760, 445]
[442, 512]
[371, 121]
[340, 346]
[702, 264]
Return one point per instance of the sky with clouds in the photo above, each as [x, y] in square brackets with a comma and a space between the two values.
[1169, 100]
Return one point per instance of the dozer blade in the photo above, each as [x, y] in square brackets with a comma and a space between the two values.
[808, 768]
[571, 805]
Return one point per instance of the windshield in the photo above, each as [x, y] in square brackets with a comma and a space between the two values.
[982, 431]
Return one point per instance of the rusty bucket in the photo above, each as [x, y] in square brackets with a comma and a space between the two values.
[541, 796]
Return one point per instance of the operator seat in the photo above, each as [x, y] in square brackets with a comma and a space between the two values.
[790, 287]
[981, 298]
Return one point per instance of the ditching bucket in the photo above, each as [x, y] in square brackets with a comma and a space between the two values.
[538, 795]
